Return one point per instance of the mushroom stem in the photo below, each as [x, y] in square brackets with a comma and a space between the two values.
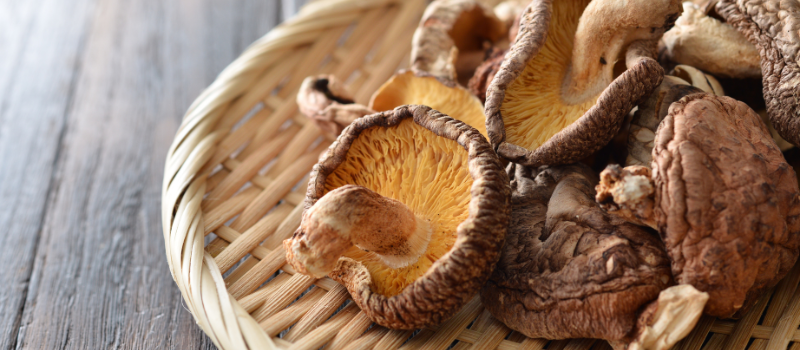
[356, 216]
[628, 193]
[605, 29]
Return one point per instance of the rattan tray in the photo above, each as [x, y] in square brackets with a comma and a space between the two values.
[235, 179]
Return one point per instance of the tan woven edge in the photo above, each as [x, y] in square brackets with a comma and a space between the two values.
[219, 315]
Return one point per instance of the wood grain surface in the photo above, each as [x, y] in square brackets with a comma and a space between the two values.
[91, 94]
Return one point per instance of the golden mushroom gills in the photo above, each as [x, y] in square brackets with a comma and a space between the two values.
[576, 63]
[357, 216]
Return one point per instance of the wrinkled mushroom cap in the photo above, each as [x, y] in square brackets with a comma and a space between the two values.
[568, 270]
[541, 109]
[419, 88]
[445, 172]
[727, 202]
[772, 26]
[706, 43]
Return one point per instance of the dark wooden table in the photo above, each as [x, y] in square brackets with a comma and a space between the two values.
[91, 94]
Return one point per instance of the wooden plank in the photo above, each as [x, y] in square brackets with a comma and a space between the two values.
[37, 73]
[96, 99]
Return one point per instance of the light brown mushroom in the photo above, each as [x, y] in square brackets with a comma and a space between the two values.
[408, 210]
[326, 101]
[415, 87]
[556, 98]
[569, 270]
[452, 37]
[721, 195]
[702, 41]
[772, 26]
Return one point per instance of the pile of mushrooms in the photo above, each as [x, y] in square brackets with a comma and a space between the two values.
[589, 168]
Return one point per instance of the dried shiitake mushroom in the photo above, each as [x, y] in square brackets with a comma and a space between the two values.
[484, 74]
[702, 41]
[555, 99]
[408, 210]
[643, 126]
[698, 79]
[772, 26]
[419, 88]
[722, 196]
[570, 270]
[452, 37]
[327, 102]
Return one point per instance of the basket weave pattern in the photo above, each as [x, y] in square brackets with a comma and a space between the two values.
[235, 180]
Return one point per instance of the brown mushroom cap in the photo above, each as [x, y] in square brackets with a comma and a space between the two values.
[484, 74]
[706, 43]
[452, 36]
[568, 269]
[555, 99]
[772, 26]
[446, 173]
[726, 202]
[420, 88]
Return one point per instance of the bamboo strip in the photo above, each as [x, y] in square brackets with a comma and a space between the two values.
[275, 191]
[368, 340]
[299, 145]
[740, 335]
[392, 340]
[383, 69]
[786, 326]
[253, 301]
[236, 139]
[777, 306]
[319, 313]
[248, 168]
[227, 210]
[716, 342]
[251, 238]
[284, 296]
[492, 336]
[580, 344]
[324, 333]
[258, 274]
[289, 316]
[351, 332]
[245, 266]
[449, 330]
[558, 344]
[363, 39]
[696, 338]
[419, 340]
[533, 344]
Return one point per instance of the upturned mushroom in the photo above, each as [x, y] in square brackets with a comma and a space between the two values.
[569, 270]
[326, 101]
[408, 210]
[704, 42]
[555, 99]
[420, 88]
[722, 197]
[452, 37]
[772, 26]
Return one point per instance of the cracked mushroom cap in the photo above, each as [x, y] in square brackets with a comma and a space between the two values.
[419, 88]
[452, 37]
[568, 269]
[555, 99]
[722, 196]
[773, 26]
[704, 42]
[408, 210]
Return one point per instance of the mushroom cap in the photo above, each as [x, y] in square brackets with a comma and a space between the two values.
[773, 26]
[420, 88]
[448, 31]
[706, 43]
[528, 119]
[568, 269]
[485, 73]
[727, 203]
[444, 171]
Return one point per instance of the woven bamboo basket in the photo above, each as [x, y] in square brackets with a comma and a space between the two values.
[235, 180]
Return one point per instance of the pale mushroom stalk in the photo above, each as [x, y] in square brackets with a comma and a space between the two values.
[357, 216]
[605, 30]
